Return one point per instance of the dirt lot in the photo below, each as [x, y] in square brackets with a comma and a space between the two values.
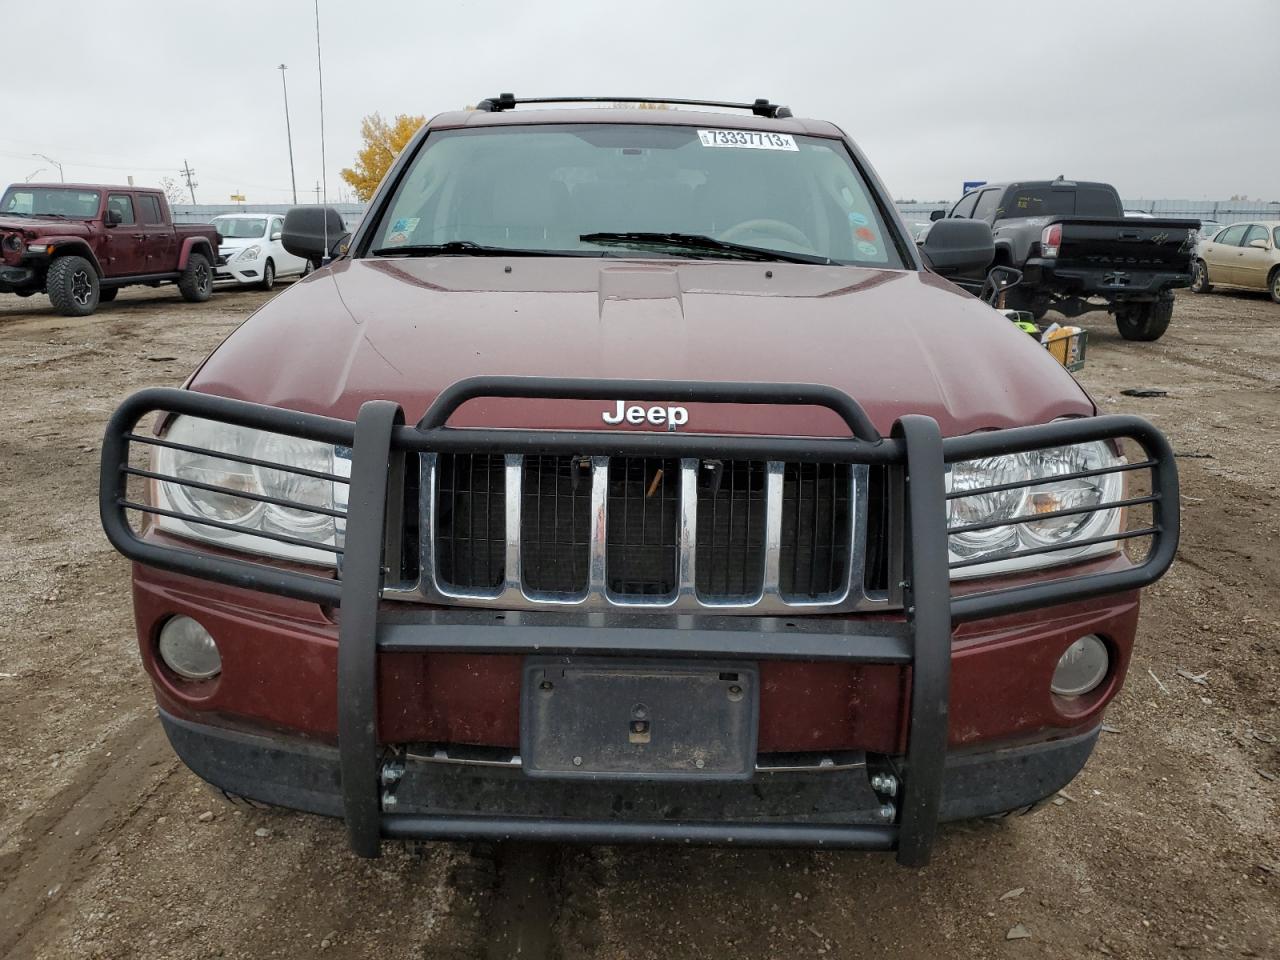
[1168, 845]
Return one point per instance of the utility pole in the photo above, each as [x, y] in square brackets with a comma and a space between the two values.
[187, 172]
[41, 156]
[288, 131]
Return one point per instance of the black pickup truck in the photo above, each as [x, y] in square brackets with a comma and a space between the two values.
[1078, 252]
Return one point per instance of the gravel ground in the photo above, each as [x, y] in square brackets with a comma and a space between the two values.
[1166, 846]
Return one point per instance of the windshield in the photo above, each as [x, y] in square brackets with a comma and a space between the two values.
[237, 228]
[51, 201]
[542, 188]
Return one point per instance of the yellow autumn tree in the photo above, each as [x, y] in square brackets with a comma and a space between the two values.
[382, 144]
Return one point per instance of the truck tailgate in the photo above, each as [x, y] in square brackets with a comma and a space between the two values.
[1129, 244]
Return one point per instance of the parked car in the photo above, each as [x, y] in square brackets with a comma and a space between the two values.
[632, 476]
[1245, 255]
[1078, 252]
[1208, 228]
[250, 251]
[81, 243]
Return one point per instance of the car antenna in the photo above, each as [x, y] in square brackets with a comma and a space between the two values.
[324, 179]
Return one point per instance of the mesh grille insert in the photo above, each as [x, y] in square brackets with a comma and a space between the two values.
[815, 529]
[471, 520]
[555, 523]
[642, 545]
[731, 528]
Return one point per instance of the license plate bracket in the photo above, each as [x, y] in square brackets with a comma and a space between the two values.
[613, 719]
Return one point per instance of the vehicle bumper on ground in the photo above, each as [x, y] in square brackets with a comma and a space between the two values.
[957, 681]
[1112, 283]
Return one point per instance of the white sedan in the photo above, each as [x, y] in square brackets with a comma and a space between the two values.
[250, 251]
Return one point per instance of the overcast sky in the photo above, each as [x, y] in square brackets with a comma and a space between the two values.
[1164, 98]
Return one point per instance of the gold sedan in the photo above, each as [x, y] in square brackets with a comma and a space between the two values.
[1241, 255]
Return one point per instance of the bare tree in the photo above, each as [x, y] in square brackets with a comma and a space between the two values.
[173, 190]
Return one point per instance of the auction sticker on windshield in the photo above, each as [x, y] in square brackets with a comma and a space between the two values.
[750, 139]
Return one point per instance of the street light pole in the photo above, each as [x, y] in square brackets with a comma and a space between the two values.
[288, 131]
[41, 156]
[32, 175]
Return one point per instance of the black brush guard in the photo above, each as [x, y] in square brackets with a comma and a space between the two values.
[922, 641]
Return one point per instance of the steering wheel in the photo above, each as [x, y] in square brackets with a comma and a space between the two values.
[765, 225]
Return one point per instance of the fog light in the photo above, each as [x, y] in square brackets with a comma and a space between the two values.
[188, 650]
[1081, 667]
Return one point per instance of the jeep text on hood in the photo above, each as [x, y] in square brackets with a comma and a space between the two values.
[635, 480]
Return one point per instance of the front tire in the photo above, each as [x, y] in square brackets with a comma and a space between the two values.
[1200, 278]
[72, 285]
[1273, 285]
[268, 280]
[1144, 321]
[196, 282]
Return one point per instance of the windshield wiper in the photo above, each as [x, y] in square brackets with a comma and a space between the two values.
[699, 243]
[468, 247]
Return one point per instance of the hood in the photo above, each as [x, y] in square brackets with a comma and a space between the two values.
[43, 225]
[237, 243]
[896, 341]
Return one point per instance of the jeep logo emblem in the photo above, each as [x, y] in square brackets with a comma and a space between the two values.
[657, 415]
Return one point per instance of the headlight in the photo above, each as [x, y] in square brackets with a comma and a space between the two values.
[994, 541]
[254, 512]
[13, 243]
[250, 253]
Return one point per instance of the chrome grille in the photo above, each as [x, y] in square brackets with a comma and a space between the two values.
[759, 537]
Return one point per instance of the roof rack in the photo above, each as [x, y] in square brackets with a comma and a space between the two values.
[761, 107]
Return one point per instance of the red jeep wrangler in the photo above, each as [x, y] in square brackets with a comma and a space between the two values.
[634, 477]
[80, 243]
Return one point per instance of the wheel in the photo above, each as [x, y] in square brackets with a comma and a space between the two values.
[72, 285]
[1200, 278]
[196, 282]
[1144, 321]
[107, 295]
[309, 268]
[268, 276]
[1273, 285]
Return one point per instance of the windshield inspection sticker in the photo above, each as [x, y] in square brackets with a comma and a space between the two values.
[748, 139]
[858, 219]
[868, 249]
[405, 225]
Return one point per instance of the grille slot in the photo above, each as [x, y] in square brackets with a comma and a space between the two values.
[555, 524]
[877, 531]
[642, 544]
[815, 530]
[731, 529]
[470, 520]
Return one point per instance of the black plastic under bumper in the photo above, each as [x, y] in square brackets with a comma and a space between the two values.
[447, 801]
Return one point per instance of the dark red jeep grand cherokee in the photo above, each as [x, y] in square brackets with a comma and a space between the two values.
[631, 476]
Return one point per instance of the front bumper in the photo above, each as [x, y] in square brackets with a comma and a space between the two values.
[16, 278]
[471, 801]
[922, 645]
[236, 270]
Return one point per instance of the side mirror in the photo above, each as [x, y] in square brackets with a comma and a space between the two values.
[112, 218]
[958, 247]
[276, 235]
[307, 228]
[936, 215]
[1260, 244]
